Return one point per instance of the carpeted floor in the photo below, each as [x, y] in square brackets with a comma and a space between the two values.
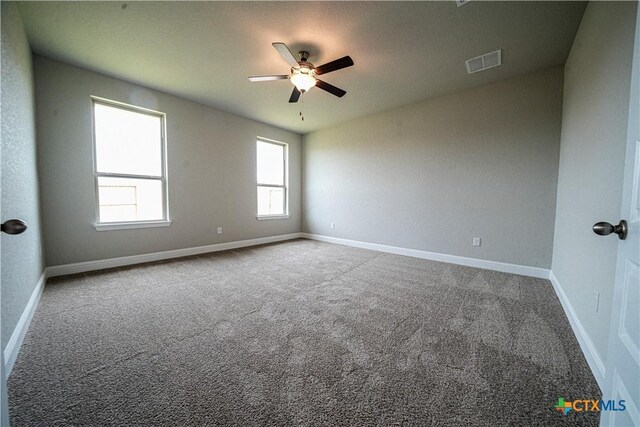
[299, 333]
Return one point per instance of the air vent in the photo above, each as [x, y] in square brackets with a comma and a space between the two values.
[484, 62]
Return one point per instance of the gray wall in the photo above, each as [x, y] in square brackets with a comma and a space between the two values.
[211, 170]
[22, 261]
[594, 130]
[431, 176]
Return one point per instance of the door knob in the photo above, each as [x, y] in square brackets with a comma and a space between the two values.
[604, 229]
[14, 226]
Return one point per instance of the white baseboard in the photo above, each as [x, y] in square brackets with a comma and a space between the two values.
[13, 346]
[541, 273]
[586, 344]
[82, 267]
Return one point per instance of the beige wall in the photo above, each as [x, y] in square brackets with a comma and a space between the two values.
[594, 130]
[431, 176]
[211, 170]
[22, 260]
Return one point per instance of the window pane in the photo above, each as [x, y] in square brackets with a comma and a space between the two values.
[271, 201]
[125, 199]
[127, 142]
[270, 163]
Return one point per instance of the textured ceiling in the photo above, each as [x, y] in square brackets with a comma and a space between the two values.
[404, 52]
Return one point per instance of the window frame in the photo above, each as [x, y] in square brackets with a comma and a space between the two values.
[285, 186]
[122, 225]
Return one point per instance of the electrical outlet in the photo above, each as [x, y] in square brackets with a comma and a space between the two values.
[476, 241]
[219, 230]
[333, 225]
[597, 298]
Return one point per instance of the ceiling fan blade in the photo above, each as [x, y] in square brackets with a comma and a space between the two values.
[295, 95]
[285, 53]
[338, 64]
[330, 88]
[267, 78]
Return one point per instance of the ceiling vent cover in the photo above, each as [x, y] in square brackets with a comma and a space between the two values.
[484, 62]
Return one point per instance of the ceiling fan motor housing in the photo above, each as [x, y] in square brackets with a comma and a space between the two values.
[304, 68]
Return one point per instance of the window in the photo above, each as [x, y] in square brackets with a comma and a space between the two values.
[130, 171]
[272, 167]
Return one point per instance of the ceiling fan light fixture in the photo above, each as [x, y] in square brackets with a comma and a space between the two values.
[303, 73]
[303, 81]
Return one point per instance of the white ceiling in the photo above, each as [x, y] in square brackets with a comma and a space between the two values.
[404, 52]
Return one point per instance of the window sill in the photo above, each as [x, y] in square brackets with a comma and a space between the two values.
[107, 226]
[267, 217]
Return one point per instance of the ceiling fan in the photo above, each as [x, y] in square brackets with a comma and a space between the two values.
[303, 74]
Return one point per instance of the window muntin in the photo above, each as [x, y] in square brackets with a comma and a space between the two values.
[271, 171]
[130, 172]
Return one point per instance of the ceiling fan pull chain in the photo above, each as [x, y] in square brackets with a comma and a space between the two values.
[302, 105]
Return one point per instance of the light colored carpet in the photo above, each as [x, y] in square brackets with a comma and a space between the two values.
[299, 333]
